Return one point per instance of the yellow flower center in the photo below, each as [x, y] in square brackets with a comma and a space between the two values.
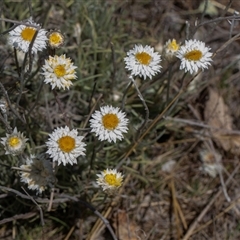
[144, 58]
[66, 144]
[194, 55]
[28, 33]
[112, 180]
[55, 39]
[60, 70]
[14, 141]
[173, 45]
[110, 121]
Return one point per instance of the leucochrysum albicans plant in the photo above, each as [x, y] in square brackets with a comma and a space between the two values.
[68, 145]
[109, 123]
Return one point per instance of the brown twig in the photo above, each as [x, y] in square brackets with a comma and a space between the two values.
[18, 216]
[39, 208]
[227, 209]
[201, 124]
[207, 207]
[20, 23]
[174, 206]
[27, 196]
[96, 212]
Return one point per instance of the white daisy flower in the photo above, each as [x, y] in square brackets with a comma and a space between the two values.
[59, 71]
[21, 36]
[55, 39]
[110, 180]
[194, 55]
[109, 123]
[14, 143]
[143, 61]
[211, 162]
[37, 173]
[64, 145]
[170, 49]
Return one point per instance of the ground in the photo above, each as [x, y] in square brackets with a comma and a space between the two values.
[181, 169]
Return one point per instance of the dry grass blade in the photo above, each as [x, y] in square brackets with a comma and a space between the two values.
[206, 209]
[181, 128]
